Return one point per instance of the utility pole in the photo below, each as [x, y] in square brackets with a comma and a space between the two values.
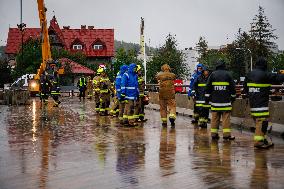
[22, 26]
[142, 46]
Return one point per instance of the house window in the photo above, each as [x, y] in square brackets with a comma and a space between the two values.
[98, 47]
[77, 47]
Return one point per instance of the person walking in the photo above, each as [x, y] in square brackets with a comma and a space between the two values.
[220, 90]
[257, 86]
[167, 95]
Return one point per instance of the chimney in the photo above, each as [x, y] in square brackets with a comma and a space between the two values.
[91, 27]
[66, 27]
[83, 27]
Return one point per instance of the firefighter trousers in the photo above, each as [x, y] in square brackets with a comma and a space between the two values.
[171, 105]
[115, 106]
[129, 112]
[139, 109]
[121, 110]
[97, 101]
[226, 123]
[261, 125]
[104, 103]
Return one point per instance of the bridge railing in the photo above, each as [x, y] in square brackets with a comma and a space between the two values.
[277, 91]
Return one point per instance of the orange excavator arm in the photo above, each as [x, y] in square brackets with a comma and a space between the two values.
[45, 45]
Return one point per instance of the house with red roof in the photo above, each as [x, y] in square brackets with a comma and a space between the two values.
[96, 44]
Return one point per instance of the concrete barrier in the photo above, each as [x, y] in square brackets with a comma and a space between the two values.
[241, 108]
[16, 97]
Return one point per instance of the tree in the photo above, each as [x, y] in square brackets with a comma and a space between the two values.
[276, 62]
[124, 57]
[167, 54]
[262, 32]
[212, 56]
[29, 59]
[5, 73]
[202, 46]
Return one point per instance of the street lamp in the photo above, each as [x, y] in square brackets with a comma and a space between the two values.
[250, 56]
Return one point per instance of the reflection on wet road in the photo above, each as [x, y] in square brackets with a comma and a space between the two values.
[72, 147]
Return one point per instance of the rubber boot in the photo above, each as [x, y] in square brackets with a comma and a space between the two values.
[172, 120]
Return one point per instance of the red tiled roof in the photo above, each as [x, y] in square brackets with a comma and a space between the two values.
[76, 67]
[88, 36]
[15, 38]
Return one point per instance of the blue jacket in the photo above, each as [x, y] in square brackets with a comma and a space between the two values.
[129, 83]
[118, 78]
[194, 78]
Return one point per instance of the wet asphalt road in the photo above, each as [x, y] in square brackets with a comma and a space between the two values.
[71, 147]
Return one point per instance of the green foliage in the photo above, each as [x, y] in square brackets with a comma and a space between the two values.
[212, 56]
[276, 62]
[123, 57]
[167, 54]
[202, 46]
[262, 32]
[28, 59]
[62, 53]
[5, 73]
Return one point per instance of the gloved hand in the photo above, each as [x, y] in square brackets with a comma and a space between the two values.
[122, 97]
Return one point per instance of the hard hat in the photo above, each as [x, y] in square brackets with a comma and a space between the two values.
[100, 70]
[138, 67]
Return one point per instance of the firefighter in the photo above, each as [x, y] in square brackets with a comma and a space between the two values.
[114, 110]
[139, 107]
[198, 93]
[97, 90]
[45, 86]
[220, 90]
[105, 91]
[191, 93]
[90, 88]
[257, 86]
[55, 90]
[167, 95]
[129, 92]
[121, 101]
[82, 87]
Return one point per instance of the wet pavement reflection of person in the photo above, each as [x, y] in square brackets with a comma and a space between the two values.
[259, 175]
[212, 160]
[130, 144]
[167, 151]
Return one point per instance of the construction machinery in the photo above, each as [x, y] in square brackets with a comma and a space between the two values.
[47, 62]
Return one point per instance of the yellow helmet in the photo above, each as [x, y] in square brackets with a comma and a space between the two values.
[100, 70]
[138, 67]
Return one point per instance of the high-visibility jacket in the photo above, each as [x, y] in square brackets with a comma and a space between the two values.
[118, 78]
[257, 85]
[199, 88]
[220, 90]
[82, 82]
[129, 83]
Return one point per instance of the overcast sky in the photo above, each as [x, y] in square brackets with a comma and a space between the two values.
[217, 20]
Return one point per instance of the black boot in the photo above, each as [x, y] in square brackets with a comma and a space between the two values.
[164, 124]
[215, 137]
[172, 120]
[229, 137]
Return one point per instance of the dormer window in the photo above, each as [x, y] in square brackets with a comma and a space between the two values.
[98, 47]
[77, 47]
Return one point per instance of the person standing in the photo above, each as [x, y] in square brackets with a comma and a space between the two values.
[96, 80]
[167, 95]
[120, 98]
[82, 87]
[257, 85]
[191, 92]
[55, 90]
[129, 92]
[139, 107]
[90, 88]
[201, 107]
[221, 91]
[105, 91]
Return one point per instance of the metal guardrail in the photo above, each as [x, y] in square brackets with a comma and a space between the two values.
[276, 90]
